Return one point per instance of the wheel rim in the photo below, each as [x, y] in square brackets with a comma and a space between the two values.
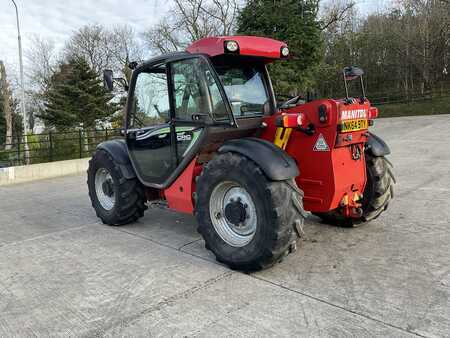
[104, 189]
[233, 214]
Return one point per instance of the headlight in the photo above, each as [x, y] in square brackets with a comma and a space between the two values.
[284, 51]
[231, 46]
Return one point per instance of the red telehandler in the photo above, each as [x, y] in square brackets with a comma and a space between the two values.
[205, 136]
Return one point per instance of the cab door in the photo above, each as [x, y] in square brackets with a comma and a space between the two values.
[148, 134]
[172, 105]
[197, 103]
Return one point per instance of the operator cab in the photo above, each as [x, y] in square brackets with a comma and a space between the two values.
[186, 104]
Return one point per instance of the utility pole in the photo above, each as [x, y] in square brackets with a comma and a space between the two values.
[22, 92]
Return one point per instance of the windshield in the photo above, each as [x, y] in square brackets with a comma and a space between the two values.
[244, 86]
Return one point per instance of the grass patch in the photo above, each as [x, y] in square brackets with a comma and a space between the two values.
[440, 105]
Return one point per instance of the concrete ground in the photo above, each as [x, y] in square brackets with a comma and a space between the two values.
[64, 273]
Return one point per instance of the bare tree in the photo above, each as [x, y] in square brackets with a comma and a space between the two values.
[422, 35]
[106, 48]
[334, 12]
[192, 20]
[125, 48]
[224, 13]
[6, 95]
[95, 44]
[41, 61]
[164, 37]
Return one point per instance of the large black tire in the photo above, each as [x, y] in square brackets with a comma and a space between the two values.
[377, 194]
[279, 213]
[128, 196]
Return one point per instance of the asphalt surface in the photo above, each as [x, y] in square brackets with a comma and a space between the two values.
[64, 273]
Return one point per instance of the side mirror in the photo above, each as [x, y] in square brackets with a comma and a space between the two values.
[108, 80]
[352, 72]
[267, 108]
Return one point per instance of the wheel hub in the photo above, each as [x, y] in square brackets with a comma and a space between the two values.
[235, 212]
[104, 189]
[107, 188]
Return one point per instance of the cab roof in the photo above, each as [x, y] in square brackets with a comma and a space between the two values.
[248, 46]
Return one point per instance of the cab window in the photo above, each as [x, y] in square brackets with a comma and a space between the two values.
[151, 99]
[244, 86]
[196, 91]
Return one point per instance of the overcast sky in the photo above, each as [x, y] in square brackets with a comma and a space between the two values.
[56, 19]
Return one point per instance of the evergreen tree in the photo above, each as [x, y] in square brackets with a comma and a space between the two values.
[294, 22]
[75, 98]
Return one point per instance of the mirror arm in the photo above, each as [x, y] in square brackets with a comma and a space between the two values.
[363, 98]
[346, 86]
[122, 82]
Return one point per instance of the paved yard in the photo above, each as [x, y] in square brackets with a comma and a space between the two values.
[64, 273]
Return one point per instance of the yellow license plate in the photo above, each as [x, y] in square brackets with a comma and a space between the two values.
[354, 125]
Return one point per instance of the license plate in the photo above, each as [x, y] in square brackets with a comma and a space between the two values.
[354, 125]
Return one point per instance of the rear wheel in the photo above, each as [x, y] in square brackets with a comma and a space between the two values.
[246, 220]
[377, 194]
[116, 200]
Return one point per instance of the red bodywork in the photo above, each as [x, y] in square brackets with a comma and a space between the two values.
[248, 45]
[179, 194]
[331, 178]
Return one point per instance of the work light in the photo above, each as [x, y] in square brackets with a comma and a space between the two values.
[284, 51]
[231, 46]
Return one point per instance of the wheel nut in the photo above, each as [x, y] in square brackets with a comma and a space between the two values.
[245, 205]
[218, 215]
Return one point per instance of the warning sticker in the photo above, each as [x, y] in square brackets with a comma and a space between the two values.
[321, 144]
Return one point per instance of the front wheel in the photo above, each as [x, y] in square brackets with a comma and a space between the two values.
[116, 199]
[377, 194]
[246, 220]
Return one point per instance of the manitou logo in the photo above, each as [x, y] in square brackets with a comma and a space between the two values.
[354, 114]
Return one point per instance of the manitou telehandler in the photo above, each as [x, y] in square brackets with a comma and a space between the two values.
[204, 135]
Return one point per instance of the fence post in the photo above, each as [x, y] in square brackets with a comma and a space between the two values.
[80, 143]
[106, 134]
[50, 140]
[18, 150]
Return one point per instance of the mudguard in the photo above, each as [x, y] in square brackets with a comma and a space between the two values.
[376, 146]
[119, 152]
[273, 161]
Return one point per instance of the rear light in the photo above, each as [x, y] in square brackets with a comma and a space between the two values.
[290, 120]
[373, 113]
[323, 116]
[231, 46]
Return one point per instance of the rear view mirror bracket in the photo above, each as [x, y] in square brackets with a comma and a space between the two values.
[351, 73]
[109, 79]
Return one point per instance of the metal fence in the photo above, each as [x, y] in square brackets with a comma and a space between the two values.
[400, 97]
[54, 146]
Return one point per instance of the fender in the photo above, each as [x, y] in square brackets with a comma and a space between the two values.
[274, 162]
[119, 152]
[376, 146]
